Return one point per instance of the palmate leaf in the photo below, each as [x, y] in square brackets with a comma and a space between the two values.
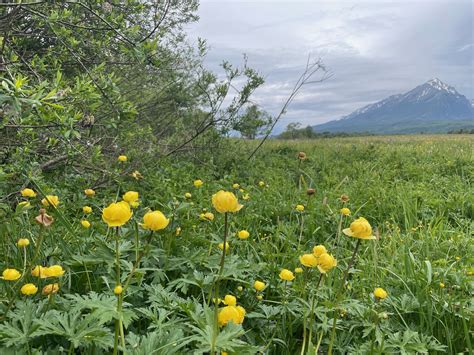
[168, 342]
[79, 329]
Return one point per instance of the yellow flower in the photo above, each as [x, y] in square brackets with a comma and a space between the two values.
[24, 204]
[198, 183]
[246, 197]
[300, 208]
[227, 246]
[298, 270]
[240, 288]
[308, 260]
[155, 221]
[85, 223]
[178, 231]
[134, 204]
[442, 285]
[122, 158]
[188, 195]
[360, 228]
[380, 293]
[259, 297]
[28, 193]
[89, 192]
[242, 190]
[326, 262]
[225, 201]
[50, 200]
[235, 186]
[23, 242]
[259, 285]
[318, 250]
[136, 175]
[345, 211]
[243, 234]
[28, 289]
[286, 275]
[87, 209]
[234, 314]
[40, 271]
[54, 271]
[11, 274]
[230, 300]
[117, 214]
[118, 289]
[130, 196]
[301, 155]
[209, 216]
[261, 183]
[50, 289]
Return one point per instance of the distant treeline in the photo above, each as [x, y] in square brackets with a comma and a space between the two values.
[462, 131]
[294, 132]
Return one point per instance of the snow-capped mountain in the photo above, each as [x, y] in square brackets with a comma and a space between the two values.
[431, 107]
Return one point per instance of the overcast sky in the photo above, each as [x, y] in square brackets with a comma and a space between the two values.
[372, 48]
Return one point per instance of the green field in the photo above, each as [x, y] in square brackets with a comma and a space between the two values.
[417, 193]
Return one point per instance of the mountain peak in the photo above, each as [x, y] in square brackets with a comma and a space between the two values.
[439, 85]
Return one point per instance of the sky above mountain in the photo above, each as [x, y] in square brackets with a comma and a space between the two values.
[373, 49]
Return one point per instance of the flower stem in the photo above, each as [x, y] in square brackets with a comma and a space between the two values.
[310, 318]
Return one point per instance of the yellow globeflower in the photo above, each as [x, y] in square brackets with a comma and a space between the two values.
[261, 183]
[298, 270]
[235, 186]
[318, 250]
[135, 204]
[227, 246]
[308, 260]
[28, 193]
[23, 242]
[380, 293]
[54, 271]
[286, 275]
[50, 289]
[345, 211]
[40, 271]
[177, 231]
[209, 216]
[85, 223]
[188, 195]
[198, 183]
[360, 228]
[24, 204]
[122, 158]
[28, 289]
[326, 262]
[117, 214]
[136, 175]
[243, 234]
[225, 201]
[234, 314]
[442, 285]
[155, 221]
[50, 200]
[118, 289]
[246, 197]
[130, 196]
[89, 192]
[11, 274]
[87, 209]
[300, 208]
[259, 285]
[230, 300]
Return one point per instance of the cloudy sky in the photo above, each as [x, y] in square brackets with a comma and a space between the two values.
[373, 49]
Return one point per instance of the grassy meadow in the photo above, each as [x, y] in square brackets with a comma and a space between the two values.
[106, 280]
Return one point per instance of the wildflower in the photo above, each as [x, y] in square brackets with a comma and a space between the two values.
[300, 208]
[344, 198]
[50, 289]
[11, 274]
[326, 262]
[28, 193]
[136, 175]
[234, 314]
[50, 200]
[380, 293]
[230, 300]
[40, 271]
[85, 223]
[241, 190]
[135, 204]
[54, 271]
[117, 214]
[118, 289]
[225, 201]
[24, 204]
[122, 158]
[259, 297]
[310, 192]
[442, 285]
[360, 228]
[298, 270]
[286, 275]
[308, 260]
[227, 246]
[243, 234]
[209, 216]
[261, 183]
[345, 211]
[259, 285]
[301, 155]
[246, 197]
[198, 183]
[87, 209]
[240, 288]
[235, 186]
[43, 218]
[318, 250]
[188, 195]
[178, 231]
[23, 242]
[130, 196]
[28, 289]
[155, 221]
[89, 192]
